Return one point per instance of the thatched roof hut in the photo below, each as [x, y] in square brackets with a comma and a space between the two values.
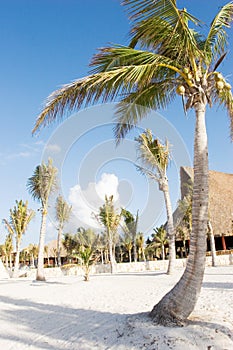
[220, 199]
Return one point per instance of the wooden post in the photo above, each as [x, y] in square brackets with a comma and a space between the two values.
[223, 243]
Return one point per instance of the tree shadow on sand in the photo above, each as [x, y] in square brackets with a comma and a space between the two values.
[45, 326]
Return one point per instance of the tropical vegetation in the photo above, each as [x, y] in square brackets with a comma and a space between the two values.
[20, 217]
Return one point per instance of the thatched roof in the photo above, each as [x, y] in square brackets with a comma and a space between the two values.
[220, 199]
[52, 249]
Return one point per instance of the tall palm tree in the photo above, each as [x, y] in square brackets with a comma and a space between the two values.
[167, 55]
[131, 226]
[20, 217]
[41, 184]
[110, 219]
[63, 211]
[155, 156]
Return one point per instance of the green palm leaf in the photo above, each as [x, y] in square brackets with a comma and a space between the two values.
[216, 41]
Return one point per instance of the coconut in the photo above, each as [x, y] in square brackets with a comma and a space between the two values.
[218, 76]
[219, 84]
[186, 70]
[227, 86]
[180, 90]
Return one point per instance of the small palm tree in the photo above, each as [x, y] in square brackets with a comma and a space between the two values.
[110, 219]
[41, 185]
[155, 156]
[87, 253]
[20, 217]
[63, 211]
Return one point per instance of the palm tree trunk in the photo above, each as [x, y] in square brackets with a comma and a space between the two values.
[176, 306]
[16, 266]
[59, 245]
[40, 267]
[171, 232]
[130, 257]
[163, 252]
[110, 247]
[212, 244]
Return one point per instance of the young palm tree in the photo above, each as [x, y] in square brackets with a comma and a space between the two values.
[110, 219]
[20, 217]
[131, 226]
[63, 211]
[166, 55]
[41, 185]
[155, 156]
[88, 241]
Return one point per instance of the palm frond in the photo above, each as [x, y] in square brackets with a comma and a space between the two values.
[153, 154]
[216, 41]
[138, 104]
[225, 99]
[135, 70]
[172, 37]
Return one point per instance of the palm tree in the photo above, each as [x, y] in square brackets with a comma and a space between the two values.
[167, 55]
[20, 217]
[127, 243]
[63, 211]
[110, 219]
[71, 245]
[160, 239]
[140, 246]
[155, 156]
[41, 185]
[88, 241]
[9, 250]
[131, 226]
[33, 253]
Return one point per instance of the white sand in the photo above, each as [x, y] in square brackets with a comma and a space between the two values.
[110, 312]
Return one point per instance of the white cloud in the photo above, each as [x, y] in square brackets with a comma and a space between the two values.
[53, 148]
[85, 203]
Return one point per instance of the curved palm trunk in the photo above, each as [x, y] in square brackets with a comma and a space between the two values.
[176, 306]
[171, 232]
[40, 267]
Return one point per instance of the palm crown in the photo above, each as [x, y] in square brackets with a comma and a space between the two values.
[166, 56]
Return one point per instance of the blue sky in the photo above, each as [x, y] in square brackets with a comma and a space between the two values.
[47, 43]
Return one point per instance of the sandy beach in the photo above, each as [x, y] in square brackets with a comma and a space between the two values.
[111, 312]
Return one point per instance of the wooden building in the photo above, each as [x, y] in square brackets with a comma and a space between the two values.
[220, 204]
